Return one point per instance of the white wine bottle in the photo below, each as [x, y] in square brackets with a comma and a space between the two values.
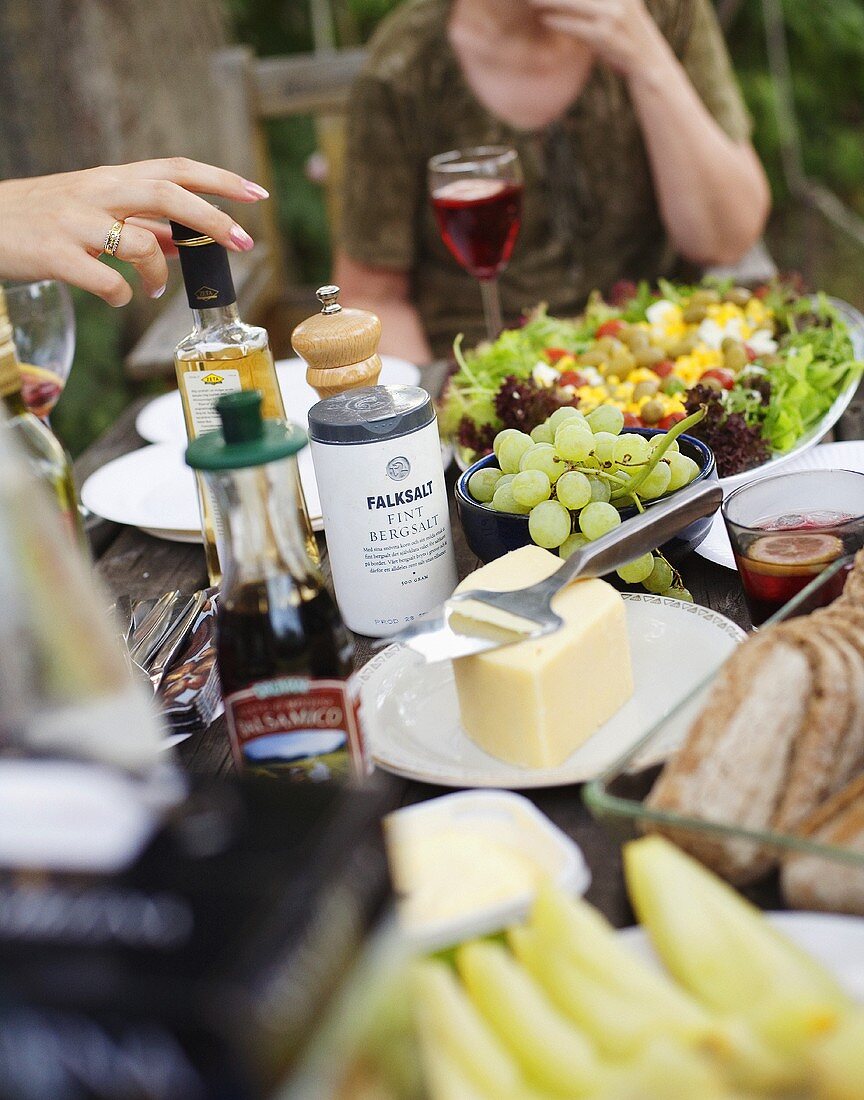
[46, 455]
[222, 354]
[66, 689]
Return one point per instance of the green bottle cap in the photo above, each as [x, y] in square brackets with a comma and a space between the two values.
[245, 439]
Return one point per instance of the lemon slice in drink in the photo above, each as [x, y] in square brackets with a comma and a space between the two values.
[793, 553]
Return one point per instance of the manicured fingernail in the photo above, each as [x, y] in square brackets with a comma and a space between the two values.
[255, 190]
[158, 293]
[241, 238]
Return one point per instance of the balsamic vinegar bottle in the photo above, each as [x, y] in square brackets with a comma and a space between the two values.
[284, 654]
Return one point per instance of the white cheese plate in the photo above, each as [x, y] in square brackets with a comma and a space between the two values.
[411, 712]
[834, 940]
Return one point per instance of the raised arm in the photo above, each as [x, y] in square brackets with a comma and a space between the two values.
[711, 189]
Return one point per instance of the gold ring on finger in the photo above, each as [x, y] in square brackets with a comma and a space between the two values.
[112, 240]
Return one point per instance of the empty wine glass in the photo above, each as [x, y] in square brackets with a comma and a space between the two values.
[476, 195]
[43, 321]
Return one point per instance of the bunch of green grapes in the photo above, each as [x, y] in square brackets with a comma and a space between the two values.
[573, 474]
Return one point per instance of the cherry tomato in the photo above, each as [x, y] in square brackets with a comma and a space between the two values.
[664, 367]
[670, 420]
[554, 354]
[573, 378]
[631, 420]
[610, 328]
[725, 377]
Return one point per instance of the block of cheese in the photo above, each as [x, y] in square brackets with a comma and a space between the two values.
[534, 703]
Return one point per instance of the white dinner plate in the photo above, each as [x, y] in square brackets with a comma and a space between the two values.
[152, 488]
[110, 494]
[411, 713]
[161, 421]
[848, 455]
[834, 940]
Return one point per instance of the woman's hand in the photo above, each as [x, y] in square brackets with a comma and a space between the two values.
[55, 227]
[621, 33]
[711, 190]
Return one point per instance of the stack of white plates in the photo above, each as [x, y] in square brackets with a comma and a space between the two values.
[153, 489]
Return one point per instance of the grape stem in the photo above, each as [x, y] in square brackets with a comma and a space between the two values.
[590, 471]
[636, 480]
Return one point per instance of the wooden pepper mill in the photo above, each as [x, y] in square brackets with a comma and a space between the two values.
[340, 346]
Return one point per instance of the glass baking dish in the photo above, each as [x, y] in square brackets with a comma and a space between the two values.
[617, 796]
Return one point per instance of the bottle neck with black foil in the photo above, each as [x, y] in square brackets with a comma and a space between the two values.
[206, 271]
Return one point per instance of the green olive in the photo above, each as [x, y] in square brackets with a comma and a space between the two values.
[683, 346]
[735, 356]
[695, 312]
[645, 389]
[738, 296]
[637, 339]
[651, 411]
[650, 357]
[621, 363]
[704, 296]
[673, 384]
[593, 357]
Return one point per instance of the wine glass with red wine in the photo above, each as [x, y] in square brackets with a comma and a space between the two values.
[476, 195]
[43, 325]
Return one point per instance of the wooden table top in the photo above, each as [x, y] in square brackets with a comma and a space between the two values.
[130, 562]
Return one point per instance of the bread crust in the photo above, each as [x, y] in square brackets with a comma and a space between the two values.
[815, 882]
[818, 765]
[734, 763]
[781, 734]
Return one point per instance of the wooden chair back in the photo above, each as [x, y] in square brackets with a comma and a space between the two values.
[253, 91]
[246, 92]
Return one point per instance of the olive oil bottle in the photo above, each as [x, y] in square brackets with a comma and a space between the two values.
[222, 354]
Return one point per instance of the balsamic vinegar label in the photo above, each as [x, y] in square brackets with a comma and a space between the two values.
[307, 727]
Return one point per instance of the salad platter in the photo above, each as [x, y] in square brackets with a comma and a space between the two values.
[774, 368]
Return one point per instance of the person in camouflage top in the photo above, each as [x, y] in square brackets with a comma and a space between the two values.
[632, 134]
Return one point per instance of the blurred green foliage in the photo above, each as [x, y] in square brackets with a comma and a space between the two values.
[98, 389]
[826, 47]
[826, 52]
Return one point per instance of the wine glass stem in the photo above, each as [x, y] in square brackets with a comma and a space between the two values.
[491, 307]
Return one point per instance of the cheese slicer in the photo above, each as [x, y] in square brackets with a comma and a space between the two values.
[526, 613]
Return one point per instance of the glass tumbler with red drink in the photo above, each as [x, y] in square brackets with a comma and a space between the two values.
[786, 529]
[476, 195]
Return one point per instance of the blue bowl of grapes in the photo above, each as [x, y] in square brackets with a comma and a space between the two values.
[572, 480]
